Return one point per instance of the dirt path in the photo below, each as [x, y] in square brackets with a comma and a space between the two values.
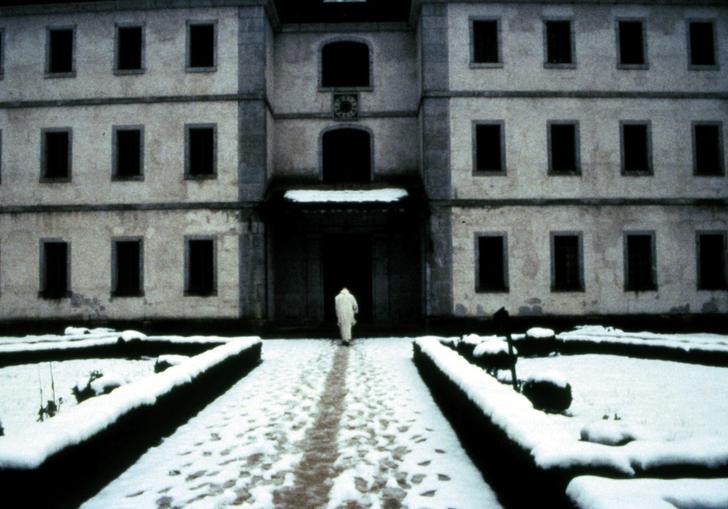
[315, 473]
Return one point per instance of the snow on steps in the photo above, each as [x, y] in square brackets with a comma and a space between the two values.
[104, 434]
[515, 441]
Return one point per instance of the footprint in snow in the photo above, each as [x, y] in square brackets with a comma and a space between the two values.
[443, 477]
[439, 451]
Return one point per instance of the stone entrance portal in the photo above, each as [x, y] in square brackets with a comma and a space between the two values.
[373, 249]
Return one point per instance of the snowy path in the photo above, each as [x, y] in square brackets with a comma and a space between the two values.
[316, 425]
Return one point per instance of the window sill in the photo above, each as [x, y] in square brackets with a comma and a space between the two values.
[55, 180]
[486, 65]
[131, 178]
[127, 295]
[637, 174]
[548, 65]
[203, 70]
[701, 175]
[721, 289]
[366, 88]
[492, 290]
[484, 173]
[640, 290]
[706, 67]
[573, 173]
[633, 67]
[129, 72]
[60, 75]
[567, 290]
[193, 176]
[202, 295]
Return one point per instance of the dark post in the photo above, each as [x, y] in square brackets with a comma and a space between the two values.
[500, 319]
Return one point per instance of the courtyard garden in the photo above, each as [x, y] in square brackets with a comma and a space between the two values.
[592, 418]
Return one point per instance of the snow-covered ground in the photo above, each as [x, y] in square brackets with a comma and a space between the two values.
[20, 385]
[652, 399]
[386, 443]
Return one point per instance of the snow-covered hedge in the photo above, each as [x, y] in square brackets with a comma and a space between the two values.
[103, 435]
[517, 441]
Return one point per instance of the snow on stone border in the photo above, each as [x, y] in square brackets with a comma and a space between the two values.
[54, 342]
[76, 331]
[476, 339]
[539, 333]
[552, 445]
[590, 492]
[704, 342]
[386, 195]
[30, 447]
[607, 432]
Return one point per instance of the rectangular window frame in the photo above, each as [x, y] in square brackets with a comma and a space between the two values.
[716, 47]
[114, 151]
[625, 258]
[43, 163]
[70, 74]
[117, 53]
[499, 38]
[721, 152]
[724, 234]
[188, 46]
[623, 169]
[187, 174]
[577, 148]
[1, 156]
[42, 290]
[503, 169]
[506, 275]
[572, 36]
[187, 267]
[114, 259]
[645, 45]
[580, 255]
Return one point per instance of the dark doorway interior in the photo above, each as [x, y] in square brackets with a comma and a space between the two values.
[346, 156]
[347, 261]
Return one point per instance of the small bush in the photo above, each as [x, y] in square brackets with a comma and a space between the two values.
[547, 395]
[86, 392]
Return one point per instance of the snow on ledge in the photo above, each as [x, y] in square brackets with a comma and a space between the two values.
[552, 446]
[30, 447]
[590, 492]
[387, 195]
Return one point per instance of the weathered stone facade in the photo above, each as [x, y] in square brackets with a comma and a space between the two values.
[425, 96]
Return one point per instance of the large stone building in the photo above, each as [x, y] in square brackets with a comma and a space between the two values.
[558, 159]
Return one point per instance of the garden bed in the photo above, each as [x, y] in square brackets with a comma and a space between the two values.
[61, 462]
[529, 458]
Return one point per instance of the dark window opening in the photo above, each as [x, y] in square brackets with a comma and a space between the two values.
[558, 42]
[708, 153]
[631, 43]
[640, 263]
[200, 267]
[128, 163]
[567, 264]
[2, 52]
[129, 50]
[345, 64]
[712, 262]
[201, 151]
[55, 270]
[702, 45]
[128, 269]
[56, 155]
[492, 272]
[488, 148]
[60, 51]
[202, 46]
[636, 147]
[346, 156]
[485, 42]
[563, 149]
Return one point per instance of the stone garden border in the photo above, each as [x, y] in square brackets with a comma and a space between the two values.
[64, 461]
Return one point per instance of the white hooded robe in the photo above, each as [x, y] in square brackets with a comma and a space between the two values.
[346, 308]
